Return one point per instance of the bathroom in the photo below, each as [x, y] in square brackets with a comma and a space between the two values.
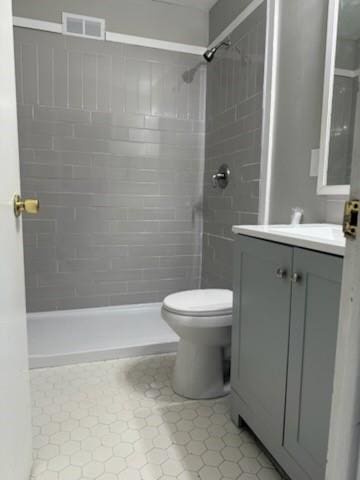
[179, 299]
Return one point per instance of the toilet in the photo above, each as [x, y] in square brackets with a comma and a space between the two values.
[202, 319]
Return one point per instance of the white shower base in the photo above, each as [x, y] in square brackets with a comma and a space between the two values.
[93, 334]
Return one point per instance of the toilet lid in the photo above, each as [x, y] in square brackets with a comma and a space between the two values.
[206, 302]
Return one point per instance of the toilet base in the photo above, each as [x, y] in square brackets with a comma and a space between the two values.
[199, 371]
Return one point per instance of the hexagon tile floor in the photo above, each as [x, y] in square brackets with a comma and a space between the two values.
[120, 420]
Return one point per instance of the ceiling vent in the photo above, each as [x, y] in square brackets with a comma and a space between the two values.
[81, 26]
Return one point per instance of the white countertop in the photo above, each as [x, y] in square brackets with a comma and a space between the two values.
[323, 237]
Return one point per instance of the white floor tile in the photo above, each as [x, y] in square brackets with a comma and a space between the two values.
[120, 420]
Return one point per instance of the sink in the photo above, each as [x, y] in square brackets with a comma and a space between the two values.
[323, 237]
[320, 231]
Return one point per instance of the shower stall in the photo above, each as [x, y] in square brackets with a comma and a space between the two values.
[119, 143]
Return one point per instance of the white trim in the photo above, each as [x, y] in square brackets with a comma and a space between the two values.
[154, 43]
[37, 24]
[269, 106]
[235, 23]
[322, 187]
[335, 190]
[114, 37]
[342, 72]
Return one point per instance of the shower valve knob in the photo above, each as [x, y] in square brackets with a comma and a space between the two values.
[216, 177]
[221, 177]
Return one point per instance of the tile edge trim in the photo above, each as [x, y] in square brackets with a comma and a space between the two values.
[34, 24]
[236, 22]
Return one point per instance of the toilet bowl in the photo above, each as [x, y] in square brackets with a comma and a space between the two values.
[202, 319]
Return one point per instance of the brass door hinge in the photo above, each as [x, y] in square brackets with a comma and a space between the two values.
[351, 218]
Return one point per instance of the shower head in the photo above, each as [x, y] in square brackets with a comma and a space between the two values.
[210, 54]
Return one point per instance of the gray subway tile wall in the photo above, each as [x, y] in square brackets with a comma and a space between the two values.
[112, 143]
[233, 136]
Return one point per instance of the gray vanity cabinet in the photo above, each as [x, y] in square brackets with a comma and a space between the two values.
[260, 338]
[313, 331]
[283, 349]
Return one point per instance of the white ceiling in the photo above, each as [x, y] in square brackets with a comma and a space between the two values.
[199, 4]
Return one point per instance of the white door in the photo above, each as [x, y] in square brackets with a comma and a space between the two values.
[343, 454]
[15, 425]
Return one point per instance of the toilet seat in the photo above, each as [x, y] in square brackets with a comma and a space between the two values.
[199, 322]
[210, 302]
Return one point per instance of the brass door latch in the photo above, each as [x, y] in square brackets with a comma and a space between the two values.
[351, 218]
[31, 206]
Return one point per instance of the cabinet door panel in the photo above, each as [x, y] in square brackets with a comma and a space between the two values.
[260, 333]
[313, 332]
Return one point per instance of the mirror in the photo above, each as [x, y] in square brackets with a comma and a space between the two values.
[340, 118]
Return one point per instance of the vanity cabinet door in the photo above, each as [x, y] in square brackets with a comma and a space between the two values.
[313, 331]
[260, 334]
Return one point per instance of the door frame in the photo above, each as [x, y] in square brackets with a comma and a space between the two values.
[343, 449]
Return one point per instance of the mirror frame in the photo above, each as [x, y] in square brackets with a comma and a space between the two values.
[331, 42]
